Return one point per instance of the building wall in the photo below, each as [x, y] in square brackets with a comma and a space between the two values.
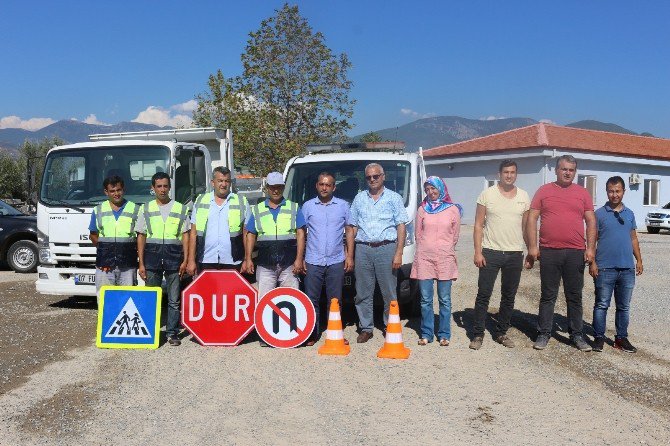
[467, 179]
[634, 197]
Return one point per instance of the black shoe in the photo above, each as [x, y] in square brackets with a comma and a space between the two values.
[173, 341]
[541, 342]
[598, 344]
[581, 344]
[623, 344]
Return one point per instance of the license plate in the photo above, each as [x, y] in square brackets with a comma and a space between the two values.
[654, 223]
[84, 279]
[347, 280]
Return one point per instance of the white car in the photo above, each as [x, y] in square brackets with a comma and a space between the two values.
[658, 219]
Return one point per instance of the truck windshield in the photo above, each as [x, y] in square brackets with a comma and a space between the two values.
[349, 178]
[74, 177]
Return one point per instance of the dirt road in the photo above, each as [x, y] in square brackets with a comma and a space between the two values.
[57, 388]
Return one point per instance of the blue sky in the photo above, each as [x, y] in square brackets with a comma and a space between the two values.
[563, 61]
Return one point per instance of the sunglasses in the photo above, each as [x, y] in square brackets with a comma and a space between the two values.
[618, 217]
[373, 177]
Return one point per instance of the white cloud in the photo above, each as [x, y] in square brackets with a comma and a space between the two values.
[547, 121]
[92, 119]
[164, 117]
[492, 118]
[414, 114]
[185, 107]
[32, 124]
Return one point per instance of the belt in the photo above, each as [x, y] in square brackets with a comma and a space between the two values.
[377, 244]
[503, 252]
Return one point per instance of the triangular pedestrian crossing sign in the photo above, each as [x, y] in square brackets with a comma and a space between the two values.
[128, 323]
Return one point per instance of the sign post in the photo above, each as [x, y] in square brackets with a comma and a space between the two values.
[218, 308]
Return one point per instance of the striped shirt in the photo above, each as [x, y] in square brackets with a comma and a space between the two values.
[377, 220]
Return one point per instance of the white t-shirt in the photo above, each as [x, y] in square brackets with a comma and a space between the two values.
[502, 227]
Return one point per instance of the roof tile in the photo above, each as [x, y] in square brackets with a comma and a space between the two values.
[559, 137]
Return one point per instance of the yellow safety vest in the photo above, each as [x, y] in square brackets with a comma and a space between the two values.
[116, 238]
[164, 231]
[237, 213]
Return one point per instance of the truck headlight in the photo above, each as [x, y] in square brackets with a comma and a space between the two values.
[409, 234]
[45, 254]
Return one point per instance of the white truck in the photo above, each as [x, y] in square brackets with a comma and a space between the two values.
[405, 174]
[72, 187]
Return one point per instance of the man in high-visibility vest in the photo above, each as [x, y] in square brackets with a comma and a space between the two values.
[112, 232]
[162, 242]
[216, 240]
[277, 228]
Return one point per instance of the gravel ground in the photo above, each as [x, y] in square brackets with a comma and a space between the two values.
[57, 388]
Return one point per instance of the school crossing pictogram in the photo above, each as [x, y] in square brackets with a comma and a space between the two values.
[129, 323]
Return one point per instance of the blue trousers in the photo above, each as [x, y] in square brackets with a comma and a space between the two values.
[330, 276]
[621, 282]
[427, 314]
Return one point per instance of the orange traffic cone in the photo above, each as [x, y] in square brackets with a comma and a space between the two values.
[393, 347]
[334, 344]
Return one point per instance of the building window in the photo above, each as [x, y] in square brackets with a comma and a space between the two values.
[651, 194]
[589, 183]
[490, 183]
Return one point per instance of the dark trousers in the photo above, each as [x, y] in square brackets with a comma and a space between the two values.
[510, 264]
[557, 264]
[155, 278]
[332, 277]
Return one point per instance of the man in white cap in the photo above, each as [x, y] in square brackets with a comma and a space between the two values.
[277, 228]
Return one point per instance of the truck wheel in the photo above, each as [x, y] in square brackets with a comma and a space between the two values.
[653, 230]
[22, 256]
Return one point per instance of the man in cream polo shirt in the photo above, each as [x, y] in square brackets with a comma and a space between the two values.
[500, 223]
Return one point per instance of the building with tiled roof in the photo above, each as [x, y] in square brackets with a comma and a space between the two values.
[644, 162]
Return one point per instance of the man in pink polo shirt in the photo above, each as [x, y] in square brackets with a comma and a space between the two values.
[563, 252]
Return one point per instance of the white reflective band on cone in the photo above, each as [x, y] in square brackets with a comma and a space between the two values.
[334, 316]
[394, 318]
[334, 335]
[393, 338]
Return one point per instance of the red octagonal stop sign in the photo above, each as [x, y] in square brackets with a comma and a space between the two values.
[218, 308]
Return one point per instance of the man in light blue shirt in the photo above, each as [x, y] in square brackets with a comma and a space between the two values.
[378, 216]
[217, 240]
[327, 218]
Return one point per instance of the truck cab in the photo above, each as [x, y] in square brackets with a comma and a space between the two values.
[72, 187]
[405, 174]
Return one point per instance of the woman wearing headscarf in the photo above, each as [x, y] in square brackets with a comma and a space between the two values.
[438, 224]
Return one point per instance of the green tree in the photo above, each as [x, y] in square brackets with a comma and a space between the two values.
[371, 137]
[31, 163]
[11, 179]
[293, 91]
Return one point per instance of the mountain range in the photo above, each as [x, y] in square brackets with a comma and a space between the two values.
[68, 130]
[426, 132]
[441, 130]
